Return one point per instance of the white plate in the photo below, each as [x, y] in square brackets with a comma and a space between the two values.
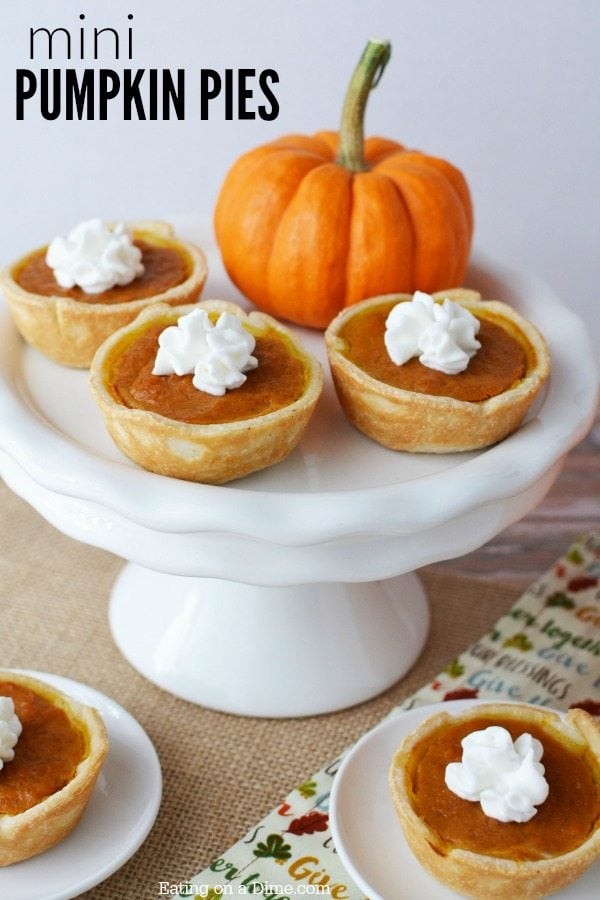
[117, 820]
[365, 828]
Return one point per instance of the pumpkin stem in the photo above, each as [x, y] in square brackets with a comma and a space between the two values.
[366, 76]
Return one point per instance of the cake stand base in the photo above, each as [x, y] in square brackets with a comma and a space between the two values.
[268, 651]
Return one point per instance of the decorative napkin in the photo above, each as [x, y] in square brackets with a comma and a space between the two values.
[544, 650]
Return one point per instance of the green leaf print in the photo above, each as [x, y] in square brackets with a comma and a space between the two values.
[274, 847]
[559, 598]
[307, 789]
[519, 642]
[575, 556]
[455, 669]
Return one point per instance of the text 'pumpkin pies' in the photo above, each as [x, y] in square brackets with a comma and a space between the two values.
[417, 407]
[178, 423]
[511, 843]
[46, 782]
[68, 323]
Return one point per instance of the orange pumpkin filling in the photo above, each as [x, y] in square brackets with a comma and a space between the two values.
[46, 755]
[569, 815]
[499, 364]
[164, 267]
[278, 381]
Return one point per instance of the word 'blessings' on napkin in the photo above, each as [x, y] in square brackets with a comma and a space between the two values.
[544, 650]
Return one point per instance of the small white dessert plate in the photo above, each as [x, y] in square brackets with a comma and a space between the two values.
[117, 820]
[366, 830]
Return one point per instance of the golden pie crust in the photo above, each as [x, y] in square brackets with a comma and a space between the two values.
[43, 825]
[484, 876]
[70, 331]
[406, 420]
[207, 453]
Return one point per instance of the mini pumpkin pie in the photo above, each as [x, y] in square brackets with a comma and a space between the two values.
[122, 270]
[526, 843]
[206, 392]
[428, 403]
[45, 787]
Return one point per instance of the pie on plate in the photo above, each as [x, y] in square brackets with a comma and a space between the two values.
[166, 425]
[68, 324]
[45, 788]
[416, 408]
[477, 855]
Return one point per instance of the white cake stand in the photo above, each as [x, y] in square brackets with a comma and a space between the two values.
[290, 592]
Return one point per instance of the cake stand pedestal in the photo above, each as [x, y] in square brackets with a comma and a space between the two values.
[276, 651]
[290, 592]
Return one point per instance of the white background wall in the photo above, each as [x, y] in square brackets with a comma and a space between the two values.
[508, 90]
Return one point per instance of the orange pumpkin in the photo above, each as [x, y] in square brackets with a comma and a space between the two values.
[308, 225]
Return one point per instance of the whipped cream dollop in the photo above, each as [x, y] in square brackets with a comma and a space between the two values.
[506, 777]
[95, 257]
[10, 729]
[442, 335]
[218, 354]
